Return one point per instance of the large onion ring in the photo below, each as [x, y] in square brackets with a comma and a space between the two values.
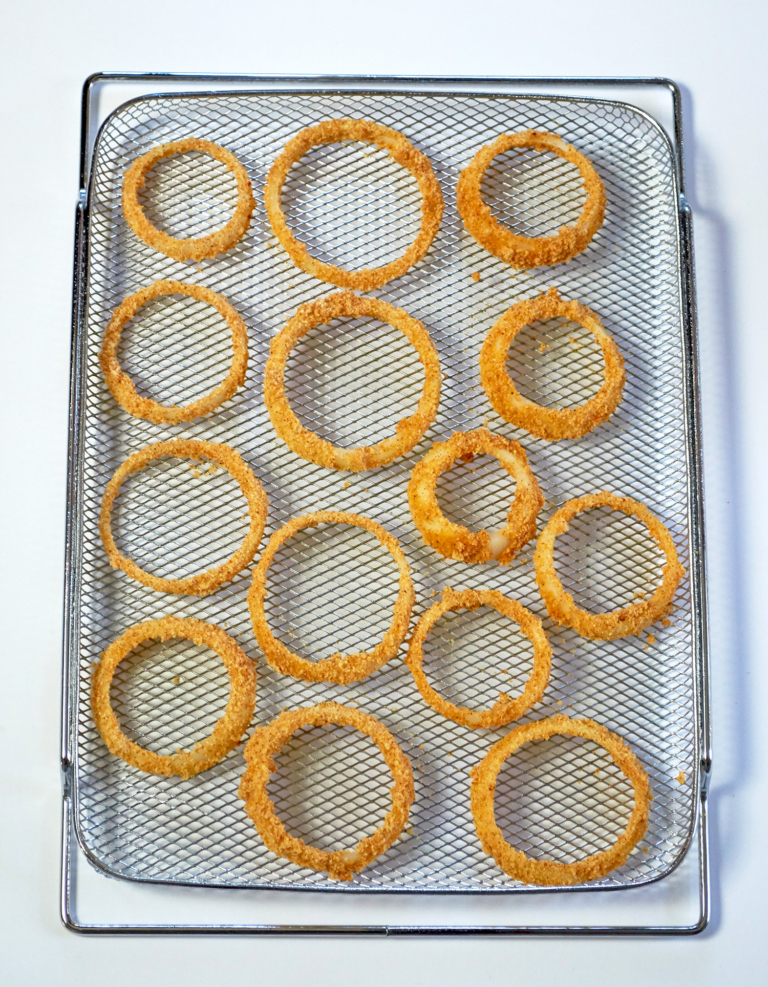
[259, 753]
[454, 541]
[121, 385]
[401, 149]
[193, 248]
[504, 710]
[549, 423]
[550, 872]
[617, 623]
[338, 668]
[307, 444]
[522, 251]
[204, 582]
[227, 732]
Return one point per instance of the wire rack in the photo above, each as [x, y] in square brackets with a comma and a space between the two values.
[333, 587]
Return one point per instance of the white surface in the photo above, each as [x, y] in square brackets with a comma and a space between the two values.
[716, 50]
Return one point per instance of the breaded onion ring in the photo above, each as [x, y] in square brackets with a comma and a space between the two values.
[504, 710]
[454, 541]
[194, 248]
[121, 385]
[550, 872]
[259, 753]
[401, 149]
[307, 444]
[227, 732]
[617, 623]
[204, 582]
[523, 251]
[338, 668]
[549, 423]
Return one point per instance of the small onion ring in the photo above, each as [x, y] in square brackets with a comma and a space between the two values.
[193, 248]
[307, 444]
[121, 385]
[504, 710]
[617, 623]
[549, 423]
[338, 668]
[401, 149]
[259, 753]
[550, 872]
[522, 251]
[204, 582]
[227, 732]
[454, 541]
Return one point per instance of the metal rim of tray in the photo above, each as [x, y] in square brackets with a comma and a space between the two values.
[444, 84]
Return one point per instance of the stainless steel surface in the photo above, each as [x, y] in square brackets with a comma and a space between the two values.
[351, 382]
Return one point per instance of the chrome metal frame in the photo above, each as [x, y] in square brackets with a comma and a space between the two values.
[73, 547]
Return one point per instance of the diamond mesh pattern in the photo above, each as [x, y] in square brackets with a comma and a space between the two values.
[334, 588]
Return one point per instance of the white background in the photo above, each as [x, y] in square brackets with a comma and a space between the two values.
[717, 51]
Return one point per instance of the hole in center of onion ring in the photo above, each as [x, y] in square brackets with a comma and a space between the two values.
[169, 694]
[533, 193]
[177, 517]
[607, 560]
[352, 205]
[332, 786]
[551, 805]
[176, 349]
[331, 589]
[470, 656]
[189, 195]
[352, 381]
[556, 363]
[476, 494]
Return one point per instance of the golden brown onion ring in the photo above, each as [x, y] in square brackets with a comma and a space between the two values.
[267, 741]
[454, 541]
[338, 668]
[617, 623]
[121, 385]
[550, 872]
[504, 710]
[522, 251]
[204, 582]
[307, 444]
[549, 423]
[227, 732]
[401, 149]
[193, 248]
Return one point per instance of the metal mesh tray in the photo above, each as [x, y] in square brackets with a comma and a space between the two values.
[334, 588]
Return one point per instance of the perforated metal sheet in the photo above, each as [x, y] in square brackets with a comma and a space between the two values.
[334, 588]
